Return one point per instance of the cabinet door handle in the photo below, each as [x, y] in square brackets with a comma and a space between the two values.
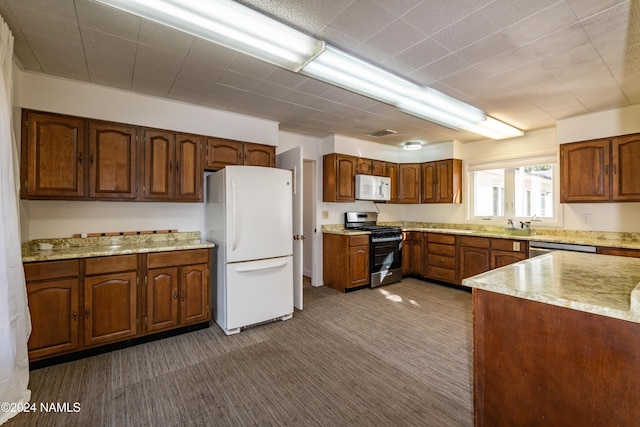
[177, 166]
[615, 171]
[606, 170]
[170, 165]
[91, 160]
[175, 294]
[80, 158]
[183, 295]
[75, 315]
[86, 313]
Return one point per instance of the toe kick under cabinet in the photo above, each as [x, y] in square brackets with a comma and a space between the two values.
[80, 304]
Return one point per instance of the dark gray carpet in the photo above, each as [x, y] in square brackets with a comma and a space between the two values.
[396, 355]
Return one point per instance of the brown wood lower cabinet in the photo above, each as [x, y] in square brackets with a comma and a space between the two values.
[481, 254]
[441, 257]
[412, 253]
[177, 289]
[53, 290]
[110, 299]
[346, 261]
[86, 303]
[634, 253]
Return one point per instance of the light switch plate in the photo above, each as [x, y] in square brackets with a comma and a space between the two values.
[516, 246]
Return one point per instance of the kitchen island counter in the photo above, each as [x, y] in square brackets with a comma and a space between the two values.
[71, 248]
[556, 341]
[599, 284]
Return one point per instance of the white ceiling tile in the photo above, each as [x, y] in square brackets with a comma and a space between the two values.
[504, 62]
[196, 69]
[487, 48]
[466, 31]
[108, 51]
[423, 53]
[632, 91]
[251, 67]
[506, 12]
[338, 39]
[615, 18]
[432, 16]
[313, 87]
[395, 38]
[107, 20]
[362, 19]
[282, 77]
[214, 54]
[545, 22]
[58, 9]
[398, 7]
[59, 29]
[439, 69]
[561, 41]
[165, 38]
[24, 56]
[586, 8]
[611, 41]
[237, 81]
[310, 16]
[348, 98]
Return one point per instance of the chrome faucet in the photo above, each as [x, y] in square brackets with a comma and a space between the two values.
[511, 224]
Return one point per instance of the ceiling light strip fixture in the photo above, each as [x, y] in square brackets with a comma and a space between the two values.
[232, 25]
[494, 129]
[240, 28]
[341, 69]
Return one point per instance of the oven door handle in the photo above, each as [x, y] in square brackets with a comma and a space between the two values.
[386, 239]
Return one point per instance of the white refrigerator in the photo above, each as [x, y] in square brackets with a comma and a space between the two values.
[248, 215]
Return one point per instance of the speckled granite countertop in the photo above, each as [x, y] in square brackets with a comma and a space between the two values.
[69, 248]
[578, 237]
[599, 284]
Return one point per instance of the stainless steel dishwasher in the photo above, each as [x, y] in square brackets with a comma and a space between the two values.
[540, 248]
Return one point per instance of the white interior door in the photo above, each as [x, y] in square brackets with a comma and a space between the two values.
[292, 160]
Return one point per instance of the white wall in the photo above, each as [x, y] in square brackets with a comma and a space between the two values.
[41, 219]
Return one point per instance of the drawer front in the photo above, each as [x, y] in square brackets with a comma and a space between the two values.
[508, 245]
[476, 242]
[440, 249]
[51, 269]
[447, 239]
[359, 240]
[111, 264]
[443, 274]
[174, 258]
[442, 261]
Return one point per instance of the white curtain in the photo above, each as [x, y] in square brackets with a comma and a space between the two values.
[15, 323]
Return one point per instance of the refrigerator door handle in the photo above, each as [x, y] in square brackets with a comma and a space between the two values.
[262, 265]
[233, 215]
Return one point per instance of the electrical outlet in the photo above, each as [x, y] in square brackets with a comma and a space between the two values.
[325, 214]
[586, 218]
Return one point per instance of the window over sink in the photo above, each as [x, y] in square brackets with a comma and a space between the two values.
[523, 190]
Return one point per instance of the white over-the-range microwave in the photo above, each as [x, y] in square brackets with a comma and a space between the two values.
[369, 187]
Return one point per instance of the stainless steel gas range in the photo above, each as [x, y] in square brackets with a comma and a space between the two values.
[385, 247]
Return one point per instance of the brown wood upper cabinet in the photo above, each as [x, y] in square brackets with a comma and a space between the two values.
[53, 156]
[601, 170]
[222, 152]
[442, 181]
[172, 166]
[371, 167]
[338, 178]
[391, 171]
[409, 183]
[113, 161]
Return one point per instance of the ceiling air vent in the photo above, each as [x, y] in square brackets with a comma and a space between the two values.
[383, 132]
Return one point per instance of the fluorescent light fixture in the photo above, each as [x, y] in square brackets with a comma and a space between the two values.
[341, 69]
[232, 25]
[412, 145]
[494, 129]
